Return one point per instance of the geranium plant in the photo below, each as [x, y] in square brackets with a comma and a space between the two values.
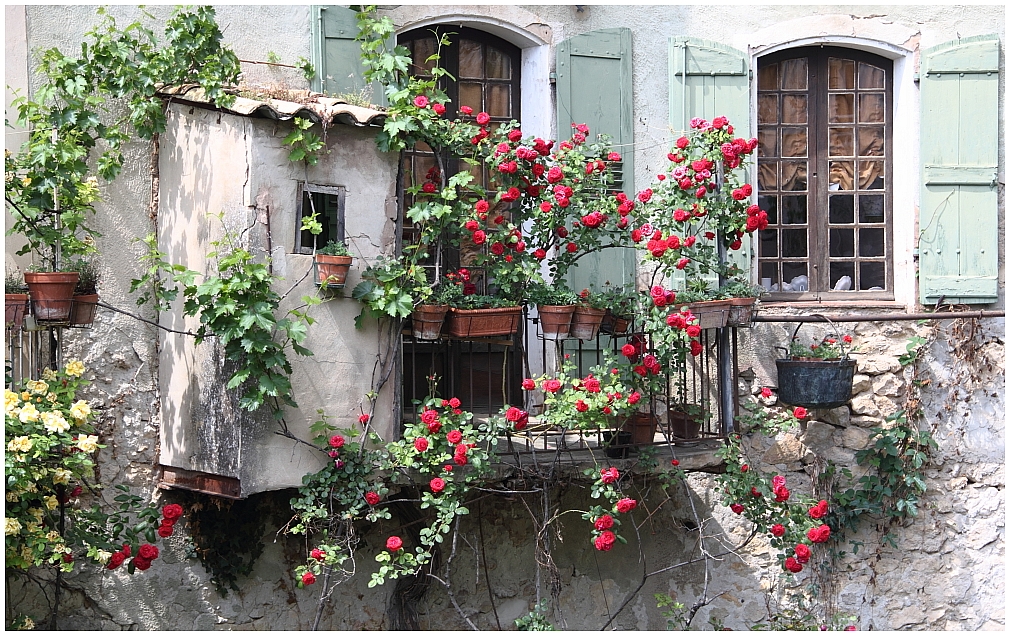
[830, 347]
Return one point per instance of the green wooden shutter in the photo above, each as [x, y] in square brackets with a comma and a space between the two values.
[958, 137]
[594, 88]
[708, 79]
[336, 54]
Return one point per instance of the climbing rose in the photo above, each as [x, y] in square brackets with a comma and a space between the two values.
[628, 350]
[778, 530]
[793, 565]
[626, 505]
[421, 101]
[737, 508]
[372, 497]
[454, 402]
[141, 563]
[634, 397]
[363, 418]
[394, 543]
[483, 118]
[744, 468]
[172, 511]
[605, 541]
[513, 414]
[127, 550]
[337, 441]
[606, 522]
[847, 339]
[308, 578]
[318, 554]
[799, 413]
[820, 534]
[529, 384]
[454, 437]
[165, 530]
[479, 237]
[437, 485]
[802, 553]
[429, 416]
[674, 462]
[148, 551]
[439, 109]
[696, 348]
[571, 247]
[818, 511]
[116, 560]
[421, 444]
[609, 475]
[581, 406]
[466, 110]
[552, 386]
[766, 392]
[434, 427]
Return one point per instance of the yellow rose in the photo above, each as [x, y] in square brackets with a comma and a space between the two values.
[88, 444]
[25, 395]
[51, 502]
[80, 410]
[38, 387]
[62, 476]
[27, 624]
[11, 526]
[22, 443]
[48, 374]
[27, 554]
[12, 495]
[32, 527]
[37, 513]
[26, 181]
[11, 401]
[29, 414]
[75, 368]
[53, 536]
[55, 422]
[103, 556]
[51, 397]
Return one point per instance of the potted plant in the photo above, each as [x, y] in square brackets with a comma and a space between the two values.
[593, 402]
[742, 297]
[429, 315]
[818, 375]
[555, 306]
[588, 316]
[85, 300]
[331, 264]
[481, 316]
[685, 420]
[621, 304]
[15, 300]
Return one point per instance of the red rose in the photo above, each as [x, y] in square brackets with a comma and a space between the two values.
[421, 101]
[605, 522]
[581, 406]
[645, 195]
[336, 441]
[793, 566]
[766, 392]
[634, 397]
[613, 156]
[682, 143]
[847, 339]
[116, 560]
[552, 386]
[372, 497]
[479, 237]
[696, 348]
[540, 254]
[148, 551]
[737, 508]
[609, 475]
[141, 563]
[483, 118]
[529, 384]
[454, 402]
[308, 578]
[421, 444]
[781, 494]
[693, 331]
[626, 505]
[437, 485]
[802, 553]
[571, 248]
[592, 385]
[459, 459]
[735, 245]
[818, 511]
[799, 412]
[778, 530]
[172, 511]
[674, 462]
[513, 414]
[605, 541]
[820, 534]
[439, 109]
[628, 350]
[466, 110]
[454, 437]
[744, 468]
[755, 492]
[127, 550]
[165, 530]
[428, 187]
[394, 543]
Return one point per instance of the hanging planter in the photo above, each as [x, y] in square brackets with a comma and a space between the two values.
[817, 382]
[586, 322]
[555, 320]
[51, 294]
[481, 323]
[613, 324]
[14, 310]
[741, 312]
[84, 308]
[711, 313]
[427, 320]
[331, 271]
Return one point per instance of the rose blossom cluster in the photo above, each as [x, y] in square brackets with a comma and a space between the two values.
[577, 402]
[146, 553]
[604, 522]
[169, 515]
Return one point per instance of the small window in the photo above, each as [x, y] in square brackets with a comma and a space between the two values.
[328, 203]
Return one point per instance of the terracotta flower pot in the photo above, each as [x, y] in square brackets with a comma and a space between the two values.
[586, 322]
[426, 321]
[642, 427]
[711, 313]
[614, 324]
[555, 320]
[479, 323]
[741, 311]
[683, 425]
[83, 312]
[51, 294]
[14, 310]
[331, 271]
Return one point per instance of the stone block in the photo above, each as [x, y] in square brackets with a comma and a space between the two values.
[837, 417]
[860, 383]
[864, 404]
[818, 436]
[854, 438]
[877, 364]
[888, 384]
[787, 450]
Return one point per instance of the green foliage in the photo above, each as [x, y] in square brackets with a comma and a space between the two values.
[801, 618]
[543, 294]
[535, 621]
[68, 119]
[389, 286]
[914, 349]
[87, 270]
[305, 144]
[334, 248]
[676, 616]
[306, 67]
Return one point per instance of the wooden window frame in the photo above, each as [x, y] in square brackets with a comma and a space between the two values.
[818, 173]
[300, 212]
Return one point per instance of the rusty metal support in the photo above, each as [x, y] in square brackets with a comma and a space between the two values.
[936, 315]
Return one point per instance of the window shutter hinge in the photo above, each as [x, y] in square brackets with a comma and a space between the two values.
[553, 77]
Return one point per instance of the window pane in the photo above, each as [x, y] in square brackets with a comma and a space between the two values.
[768, 245]
[794, 210]
[843, 243]
[767, 143]
[790, 271]
[838, 272]
[470, 94]
[840, 176]
[794, 142]
[767, 179]
[870, 76]
[769, 205]
[841, 108]
[871, 108]
[768, 109]
[794, 74]
[423, 49]
[871, 276]
[840, 142]
[794, 243]
[871, 241]
[794, 109]
[794, 176]
[769, 271]
[499, 102]
[871, 208]
[471, 62]
[871, 175]
[840, 208]
[768, 77]
[498, 64]
[841, 74]
[871, 141]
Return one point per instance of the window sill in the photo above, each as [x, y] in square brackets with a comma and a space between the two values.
[832, 304]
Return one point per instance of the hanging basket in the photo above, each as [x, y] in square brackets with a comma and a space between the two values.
[51, 294]
[815, 383]
[14, 310]
[711, 313]
[586, 322]
[555, 320]
[331, 271]
[615, 325]
[427, 321]
[481, 323]
[83, 312]
[741, 312]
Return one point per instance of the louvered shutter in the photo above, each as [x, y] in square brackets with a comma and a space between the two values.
[958, 137]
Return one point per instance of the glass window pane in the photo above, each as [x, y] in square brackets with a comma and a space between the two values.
[794, 109]
[767, 179]
[422, 147]
[768, 77]
[871, 208]
[840, 142]
[767, 143]
[870, 76]
[871, 141]
[794, 142]
[790, 271]
[768, 109]
[838, 272]
[423, 49]
[794, 243]
[794, 74]
[871, 241]
[768, 243]
[794, 210]
[769, 205]
[499, 100]
[769, 271]
[840, 176]
[471, 94]
[871, 175]
[871, 276]
[471, 62]
[841, 74]
[842, 243]
[871, 108]
[794, 176]
[499, 66]
[840, 208]
[841, 108]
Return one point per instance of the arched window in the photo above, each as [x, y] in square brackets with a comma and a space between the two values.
[824, 172]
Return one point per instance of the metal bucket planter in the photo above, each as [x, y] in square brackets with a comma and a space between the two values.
[555, 320]
[586, 322]
[816, 384]
[426, 321]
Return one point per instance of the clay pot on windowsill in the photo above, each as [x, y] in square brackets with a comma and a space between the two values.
[481, 323]
[14, 310]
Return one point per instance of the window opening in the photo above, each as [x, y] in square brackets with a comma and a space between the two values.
[328, 203]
